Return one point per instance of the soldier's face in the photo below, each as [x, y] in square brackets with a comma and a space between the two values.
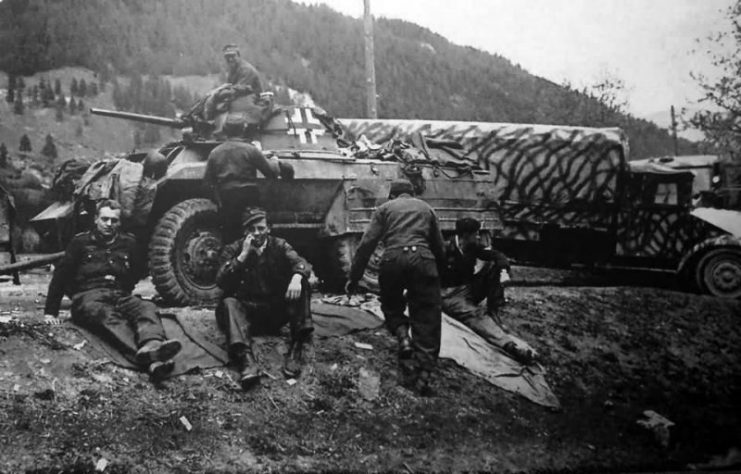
[259, 231]
[108, 221]
[467, 239]
[231, 60]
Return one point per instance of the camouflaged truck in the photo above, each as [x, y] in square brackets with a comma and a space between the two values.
[323, 210]
[570, 195]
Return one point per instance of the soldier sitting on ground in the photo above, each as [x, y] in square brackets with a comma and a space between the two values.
[463, 290]
[265, 284]
[98, 272]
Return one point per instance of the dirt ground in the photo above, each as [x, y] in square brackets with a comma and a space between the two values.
[611, 351]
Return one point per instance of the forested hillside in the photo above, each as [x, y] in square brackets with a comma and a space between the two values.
[309, 48]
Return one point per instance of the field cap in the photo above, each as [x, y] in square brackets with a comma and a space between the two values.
[252, 215]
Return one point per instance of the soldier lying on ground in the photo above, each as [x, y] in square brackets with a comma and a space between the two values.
[98, 272]
[266, 285]
[463, 290]
[413, 252]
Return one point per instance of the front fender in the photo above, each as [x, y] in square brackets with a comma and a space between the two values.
[725, 240]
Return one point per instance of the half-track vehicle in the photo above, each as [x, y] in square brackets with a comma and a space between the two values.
[322, 210]
[572, 196]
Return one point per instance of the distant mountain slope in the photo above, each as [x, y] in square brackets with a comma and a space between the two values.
[420, 74]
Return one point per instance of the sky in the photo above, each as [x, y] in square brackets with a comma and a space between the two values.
[647, 44]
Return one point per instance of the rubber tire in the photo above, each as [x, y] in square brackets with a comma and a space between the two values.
[341, 251]
[168, 274]
[710, 264]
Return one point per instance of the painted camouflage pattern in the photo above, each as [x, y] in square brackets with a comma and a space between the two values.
[569, 177]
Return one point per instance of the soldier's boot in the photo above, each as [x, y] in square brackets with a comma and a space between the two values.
[158, 371]
[405, 344]
[249, 371]
[521, 355]
[157, 351]
[294, 359]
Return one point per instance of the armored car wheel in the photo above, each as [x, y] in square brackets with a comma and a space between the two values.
[719, 272]
[184, 253]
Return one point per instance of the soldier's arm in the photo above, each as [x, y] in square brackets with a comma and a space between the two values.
[368, 243]
[491, 255]
[64, 272]
[299, 265]
[437, 245]
[228, 275]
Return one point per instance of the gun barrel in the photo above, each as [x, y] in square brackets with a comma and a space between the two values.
[164, 121]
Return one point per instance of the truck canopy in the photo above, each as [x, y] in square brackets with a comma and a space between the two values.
[543, 174]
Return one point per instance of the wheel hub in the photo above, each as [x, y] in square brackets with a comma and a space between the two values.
[201, 257]
[726, 276]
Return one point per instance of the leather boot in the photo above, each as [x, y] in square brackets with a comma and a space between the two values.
[294, 360]
[158, 371]
[249, 372]
[157, 351]
[405, 344]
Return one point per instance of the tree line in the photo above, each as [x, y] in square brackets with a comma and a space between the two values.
[311, 49]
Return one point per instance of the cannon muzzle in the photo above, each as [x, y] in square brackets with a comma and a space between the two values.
[164, 121]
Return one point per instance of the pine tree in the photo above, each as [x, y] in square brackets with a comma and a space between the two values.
[3, 155]
[57, 87]
[25, 143]
[72, 106]
[82, 88]
[73, 88]
[10, 96]
[50, 149]
[18, 107]
[81, 105]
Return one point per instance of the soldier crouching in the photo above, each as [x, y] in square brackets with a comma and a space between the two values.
[98, 271]
[265, 284]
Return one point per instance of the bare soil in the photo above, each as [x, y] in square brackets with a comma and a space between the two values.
[611, 350]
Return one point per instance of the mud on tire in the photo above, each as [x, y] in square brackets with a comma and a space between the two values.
[184, 253]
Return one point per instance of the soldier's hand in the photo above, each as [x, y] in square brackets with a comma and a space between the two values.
[504, 276]
[351, 287]
[53, 320]
[246, 246]
[294, 288]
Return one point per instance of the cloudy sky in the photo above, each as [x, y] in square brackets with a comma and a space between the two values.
[646, 43]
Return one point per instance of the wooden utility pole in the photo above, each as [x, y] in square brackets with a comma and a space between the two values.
[674, 133]
[370, 68]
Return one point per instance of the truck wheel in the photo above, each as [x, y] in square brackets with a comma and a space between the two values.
[339, 260]
[184, 253]
[719, 273]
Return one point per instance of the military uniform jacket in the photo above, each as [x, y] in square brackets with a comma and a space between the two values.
[263, 277]
[459, 264]
[90, 263]
[245, 77]
[404, 221]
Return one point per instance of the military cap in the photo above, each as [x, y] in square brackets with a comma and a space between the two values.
[231, 50]
[401, 186]
[467, 225]
[252, 215]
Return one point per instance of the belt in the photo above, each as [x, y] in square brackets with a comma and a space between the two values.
[407, 248]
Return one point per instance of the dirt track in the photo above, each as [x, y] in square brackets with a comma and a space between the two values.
[611, 352]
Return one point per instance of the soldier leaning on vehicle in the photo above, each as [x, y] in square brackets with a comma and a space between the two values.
[266, 285]
[98, 272]
[413, 252]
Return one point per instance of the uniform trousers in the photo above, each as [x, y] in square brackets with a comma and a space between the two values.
[241, 317]
[463, 304]
[412, 269]
[125, 321]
